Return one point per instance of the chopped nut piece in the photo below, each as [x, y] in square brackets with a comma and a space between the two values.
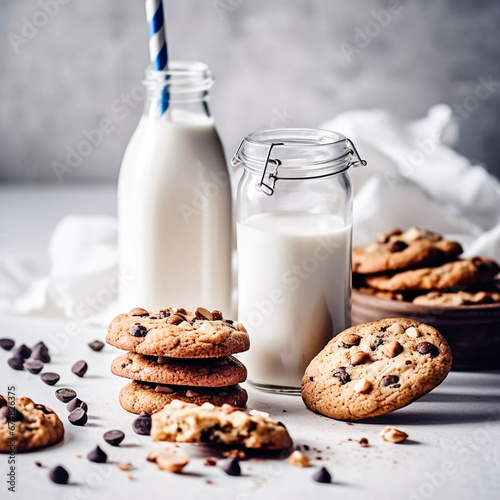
[392, 349]
[138, 311]
[362, 385]
[393, 435]
[206, 327]
[175, 319]
[217, 315]
[192, 394]
[412, 332]
[202, 313]
[299, 459]
[396, 328]
[125, 466]
[168, 461]
[186, 325]
[164, 389]
[350, 339]
[359, 357]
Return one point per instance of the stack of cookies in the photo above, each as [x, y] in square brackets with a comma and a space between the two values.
[176, 354]
[420, 266]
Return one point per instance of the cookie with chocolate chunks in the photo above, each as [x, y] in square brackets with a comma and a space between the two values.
[138, 397]
[452, 274]
[375, 368]
[177, 333]
[205, 372]
[397, 250]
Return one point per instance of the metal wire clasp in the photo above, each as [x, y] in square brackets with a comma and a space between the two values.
[354, 152]
[266, 186]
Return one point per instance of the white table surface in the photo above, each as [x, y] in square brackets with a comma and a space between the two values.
[453, 451]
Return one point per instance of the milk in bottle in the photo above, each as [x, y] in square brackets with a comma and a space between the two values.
[174, 199]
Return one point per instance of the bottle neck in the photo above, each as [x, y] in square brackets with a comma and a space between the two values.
[180, 94]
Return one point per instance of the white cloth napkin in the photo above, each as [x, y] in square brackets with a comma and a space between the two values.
[412, 178]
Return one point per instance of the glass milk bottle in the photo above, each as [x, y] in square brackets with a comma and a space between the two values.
[294, 226]
[174, 199]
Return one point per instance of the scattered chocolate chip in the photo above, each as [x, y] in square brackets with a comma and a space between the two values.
[181, 310]
[142, 426]
[16, 363]
[76, 403]
[7, 344]
[364, 442]
[33, 366]
[41, 353]
[377, 342]
[138, 331]
[306, 447]
[96, 345]
[408, 362]
[65, 395]
[322, 476]
[38, 464]
[80, 368]
[427, 348]
[217, 315]
[231, 467]
[389, 380]
[397, 246]
[342, 375]
[311, 379]
[23, 351]
[59, 475]
[78, 417]
[50, 378]
[210, 462]
[12, 414]
[114, 438]
[229, 321]
[97, 455]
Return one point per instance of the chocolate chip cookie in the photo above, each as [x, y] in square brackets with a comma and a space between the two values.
[177, 333]
[27, 426]
[205, 372]
[186, 423]
[375, 368]
[404, 250]
[137, 397]
[456, 299]
[458, 273]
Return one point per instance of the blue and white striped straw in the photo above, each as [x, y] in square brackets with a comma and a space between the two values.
[157, 41]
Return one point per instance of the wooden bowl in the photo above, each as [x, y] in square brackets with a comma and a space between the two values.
[473, 331]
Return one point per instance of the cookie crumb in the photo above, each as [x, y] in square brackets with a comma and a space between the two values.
[364, 442]
[210, 462]
[235, 454]
[125, 466]
[298, 459]
[208, 481]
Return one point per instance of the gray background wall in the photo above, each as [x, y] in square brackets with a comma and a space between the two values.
[272, 59]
